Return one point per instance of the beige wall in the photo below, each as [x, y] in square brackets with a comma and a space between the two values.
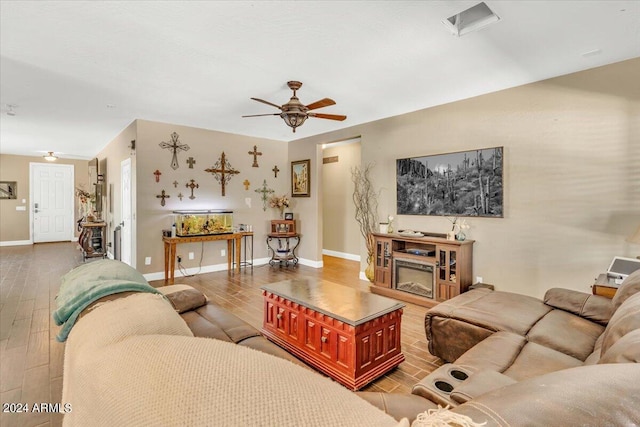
[340, 231]
[205, 147]
[110, 159]
[14, 225]
[572, 173]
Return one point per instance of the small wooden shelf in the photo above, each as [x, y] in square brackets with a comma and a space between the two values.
[283, 227]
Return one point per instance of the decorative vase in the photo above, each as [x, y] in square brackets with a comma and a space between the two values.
[390, 228]
[90, 218]
[370, 271]
[461, 236]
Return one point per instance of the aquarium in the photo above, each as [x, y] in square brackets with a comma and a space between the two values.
[203, 222]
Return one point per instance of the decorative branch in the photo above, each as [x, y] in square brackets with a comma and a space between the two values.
[365, 200]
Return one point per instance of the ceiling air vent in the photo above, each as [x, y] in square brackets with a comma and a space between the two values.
[472, 19]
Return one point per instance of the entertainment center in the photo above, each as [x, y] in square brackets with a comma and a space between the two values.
[424, 269]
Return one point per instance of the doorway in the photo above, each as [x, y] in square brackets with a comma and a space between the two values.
[52, 201]
[340, 232]
[125, 211]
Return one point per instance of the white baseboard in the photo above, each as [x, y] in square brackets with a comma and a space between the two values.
[75, 239]
[310, 263]
[16, 243]
[342, 255]
[196, 270]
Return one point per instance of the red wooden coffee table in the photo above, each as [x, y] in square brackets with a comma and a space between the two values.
[350, 335]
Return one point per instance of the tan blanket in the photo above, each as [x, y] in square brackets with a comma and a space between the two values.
[134, 362]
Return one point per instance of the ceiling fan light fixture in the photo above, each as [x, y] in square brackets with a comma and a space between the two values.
[294, 120]
[50, 157]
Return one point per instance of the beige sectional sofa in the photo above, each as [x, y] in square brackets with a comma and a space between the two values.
[174, 358]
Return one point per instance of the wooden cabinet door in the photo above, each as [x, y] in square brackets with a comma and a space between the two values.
[383, 267]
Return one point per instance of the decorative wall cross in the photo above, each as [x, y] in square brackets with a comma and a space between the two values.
[264, 190]
[175, 146]
[246, 184]
[175, 184]
[222, 171]
[191, 162]
[180, 196]
[157, 173]
[275, 171]
[255, 154]
[192, 184]
[162, 196]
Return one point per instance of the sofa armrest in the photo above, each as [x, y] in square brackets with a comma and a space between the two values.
[478, 384]
[592, 307]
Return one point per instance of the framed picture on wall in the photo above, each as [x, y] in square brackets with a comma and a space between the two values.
[301, 178]
[465, 183]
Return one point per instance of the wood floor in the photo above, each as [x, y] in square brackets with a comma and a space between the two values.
[31, 359]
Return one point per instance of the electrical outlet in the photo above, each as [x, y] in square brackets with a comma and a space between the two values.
[147, 261]
[190, 255]
[223, 252]
[479, 279]
[179, 258]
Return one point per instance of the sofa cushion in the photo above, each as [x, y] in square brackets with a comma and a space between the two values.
[567, 333]
[603, 395]
[630, 286]
[535, 360]
[626, 319]
[234, 327]
[183, 297]
[456, 325]
[496, 353]
[593, 307]
[624, 350]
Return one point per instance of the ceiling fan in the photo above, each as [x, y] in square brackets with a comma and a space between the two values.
[294, 113]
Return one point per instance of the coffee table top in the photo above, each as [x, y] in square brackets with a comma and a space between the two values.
[340, 302]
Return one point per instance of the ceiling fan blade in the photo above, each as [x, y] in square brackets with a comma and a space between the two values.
[267, 102]
[260, 115]
[322, 103]
[328, 116]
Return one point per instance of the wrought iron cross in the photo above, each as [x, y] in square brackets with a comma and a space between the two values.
[275, 171]
[175, 184]
[192, 184]
[191, 162]
[246, 184]
[157, 173]
[175, 146]
[222, 171]
[255, 153]
[162, 196]
[180, 196]
[264, 190]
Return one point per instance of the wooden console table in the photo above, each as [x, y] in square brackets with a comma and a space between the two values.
[350, 335]
[170, 243]
[92, 240]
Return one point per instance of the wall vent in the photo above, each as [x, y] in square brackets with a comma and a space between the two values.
[472, 19]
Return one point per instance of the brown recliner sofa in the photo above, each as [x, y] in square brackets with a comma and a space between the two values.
[571, 359]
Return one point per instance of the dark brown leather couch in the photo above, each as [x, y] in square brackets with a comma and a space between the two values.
[212, 321]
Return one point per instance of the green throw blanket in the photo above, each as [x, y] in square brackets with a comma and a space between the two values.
[89, 282]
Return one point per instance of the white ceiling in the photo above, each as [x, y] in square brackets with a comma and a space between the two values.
[198, 63]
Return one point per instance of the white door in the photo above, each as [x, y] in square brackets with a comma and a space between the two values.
[125, 211]
[52, 202]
